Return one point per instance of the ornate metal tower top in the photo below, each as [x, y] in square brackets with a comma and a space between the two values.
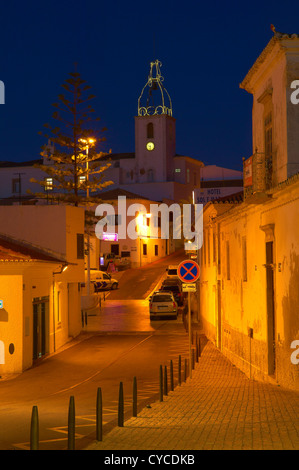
[154, 98]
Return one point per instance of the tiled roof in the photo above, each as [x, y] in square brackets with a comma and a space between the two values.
[21, 164]
[13, 250]
[276, 38]
[235, 198]
[114, 193]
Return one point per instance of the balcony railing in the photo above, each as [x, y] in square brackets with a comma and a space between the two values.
[257, 173]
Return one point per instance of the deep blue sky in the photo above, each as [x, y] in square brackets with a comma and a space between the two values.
[206, 49]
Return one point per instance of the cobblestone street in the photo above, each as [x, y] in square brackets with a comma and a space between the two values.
[219, 408]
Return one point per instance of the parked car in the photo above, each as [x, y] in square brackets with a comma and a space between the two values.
[163, 304]
[118, 262]
[174, 286]
[172, 271]
[102, 280]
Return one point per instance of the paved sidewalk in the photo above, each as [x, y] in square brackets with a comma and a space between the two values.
[219, 408]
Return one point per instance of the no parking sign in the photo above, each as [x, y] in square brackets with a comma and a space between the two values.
[188, 271]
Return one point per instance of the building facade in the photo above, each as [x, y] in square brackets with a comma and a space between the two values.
[41, 268]
[248, 288]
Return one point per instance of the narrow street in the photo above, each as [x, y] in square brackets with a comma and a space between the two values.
[118, 343]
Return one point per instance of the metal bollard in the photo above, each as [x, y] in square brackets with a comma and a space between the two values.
[199, 348]
[134, 397]
[99, 416]
[171, 376]
[121, 406]
[196, 352]
[34, 429]
[185, 371]
[165, 381]
[179, 370]
[71, 424]
[161, 383]
[193, 360]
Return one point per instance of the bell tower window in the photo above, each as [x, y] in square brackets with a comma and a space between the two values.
[150, 130]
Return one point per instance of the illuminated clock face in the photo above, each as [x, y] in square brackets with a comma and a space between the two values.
[150, 146]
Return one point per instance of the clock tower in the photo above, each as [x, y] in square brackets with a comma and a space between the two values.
[154, 131]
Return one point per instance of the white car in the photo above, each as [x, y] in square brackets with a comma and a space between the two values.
[101, 280]
[162, 304]
[172, 272]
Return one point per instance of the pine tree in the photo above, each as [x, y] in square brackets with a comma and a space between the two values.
[73, 167]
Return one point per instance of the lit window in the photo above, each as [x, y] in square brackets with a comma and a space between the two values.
[48, 184]
[177, 170]
[81, 180]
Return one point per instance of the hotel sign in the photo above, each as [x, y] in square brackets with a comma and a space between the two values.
[248, 172]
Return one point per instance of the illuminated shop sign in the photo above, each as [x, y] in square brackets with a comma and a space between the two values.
[110, 237]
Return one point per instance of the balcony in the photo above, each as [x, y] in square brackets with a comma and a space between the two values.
[257, 177]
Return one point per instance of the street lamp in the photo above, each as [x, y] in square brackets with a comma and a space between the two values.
[87, 142]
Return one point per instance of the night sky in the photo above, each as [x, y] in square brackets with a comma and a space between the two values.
[206, 49]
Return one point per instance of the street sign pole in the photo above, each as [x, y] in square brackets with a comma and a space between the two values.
[190, 334]
[188, 272]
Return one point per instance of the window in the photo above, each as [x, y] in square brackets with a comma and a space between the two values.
[144, 250]
[244, 259]
[227, 261]
[177, 170]
[80, 246]
[48, 184]
[219, 250]
[194, 179]
[156, 250]
[268, 149]
[188, 175]
[113, 219]
[81, 181]
[214, 247]
[115, 249]
[16, 187]
[150, 130]
[125, 254]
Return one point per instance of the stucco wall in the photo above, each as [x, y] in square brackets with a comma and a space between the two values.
[244, 302]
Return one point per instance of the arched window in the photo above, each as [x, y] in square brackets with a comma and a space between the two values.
[150, 130]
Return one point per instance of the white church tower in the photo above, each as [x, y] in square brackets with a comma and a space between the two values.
[154, 131]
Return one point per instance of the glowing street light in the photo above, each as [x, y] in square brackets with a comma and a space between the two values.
[88, 142]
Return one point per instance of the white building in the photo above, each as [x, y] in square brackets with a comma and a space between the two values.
[40, 308]
[218, 182]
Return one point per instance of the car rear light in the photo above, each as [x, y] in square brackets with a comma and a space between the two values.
[174, 305]
[151, 305]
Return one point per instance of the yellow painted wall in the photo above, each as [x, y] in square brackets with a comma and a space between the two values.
[244, 302]
[11, 322]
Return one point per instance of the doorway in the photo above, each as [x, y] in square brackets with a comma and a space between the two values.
[40, 327]
[270, 307]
